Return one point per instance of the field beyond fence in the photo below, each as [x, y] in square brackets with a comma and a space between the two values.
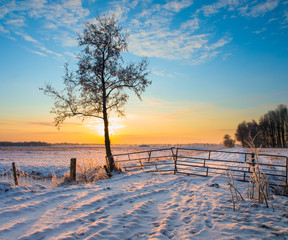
[206, 162]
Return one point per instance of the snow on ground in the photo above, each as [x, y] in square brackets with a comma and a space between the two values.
[46, 161]
[137, 205]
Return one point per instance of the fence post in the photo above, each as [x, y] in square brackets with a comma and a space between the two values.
[141, 163]
[14, 173]
[175, 157]
[156, 166]
[253, 158]
[252, 161]
[73, 169]
[149, 156]
[286, 172]
[204, 161]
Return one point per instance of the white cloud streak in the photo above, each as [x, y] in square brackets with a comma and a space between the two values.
[44, 49]
[152, 34]
[53, 16]
[151, 24]
[243, 7]
[3, 30]
[26, 37]
[259, 9]
[214, 8]
[38, 53]
[177, 6]
[16, 23]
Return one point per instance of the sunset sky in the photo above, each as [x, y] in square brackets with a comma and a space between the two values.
[213, 65]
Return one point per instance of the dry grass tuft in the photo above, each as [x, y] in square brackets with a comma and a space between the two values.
[258, 188]
[55, 181]
[235, 194]
[23, 178]
[88, 171]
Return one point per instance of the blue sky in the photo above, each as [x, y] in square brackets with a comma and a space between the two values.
[213, 65]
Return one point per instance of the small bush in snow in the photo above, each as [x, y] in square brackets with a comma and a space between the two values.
[258, 187]
[228, 142]
[87, 171]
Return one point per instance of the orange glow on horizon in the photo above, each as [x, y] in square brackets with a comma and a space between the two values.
[120, 133]
[143, 126]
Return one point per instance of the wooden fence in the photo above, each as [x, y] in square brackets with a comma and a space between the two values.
[205, 162]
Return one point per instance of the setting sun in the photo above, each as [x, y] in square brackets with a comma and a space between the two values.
[98, 126]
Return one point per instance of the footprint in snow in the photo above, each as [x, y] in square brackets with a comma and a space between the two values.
[186, 220]
[216, 185]
[208, 223]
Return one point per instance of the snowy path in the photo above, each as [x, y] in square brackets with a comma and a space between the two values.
[138, 206]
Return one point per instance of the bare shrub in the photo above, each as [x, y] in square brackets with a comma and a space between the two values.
[23, 178]
[235, 194]
[66, 179]
[228, 142]
[258, 188]
[89, 171]
[55, 180]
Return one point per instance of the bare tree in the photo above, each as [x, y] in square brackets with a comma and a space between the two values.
[97, 87]
[272, 130]
[228, 141]
[242, 133]
[282, 113]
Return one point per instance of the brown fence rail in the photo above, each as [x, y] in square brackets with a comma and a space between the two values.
[205, 162]
[156, 160]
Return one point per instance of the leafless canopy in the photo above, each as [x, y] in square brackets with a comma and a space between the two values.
[98, 86]
[102, 76]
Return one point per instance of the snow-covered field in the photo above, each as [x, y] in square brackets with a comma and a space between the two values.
[134, 205]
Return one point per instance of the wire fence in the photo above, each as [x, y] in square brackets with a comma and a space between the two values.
[205, 163]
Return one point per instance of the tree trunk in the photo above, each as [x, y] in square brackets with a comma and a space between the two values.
[110, 159]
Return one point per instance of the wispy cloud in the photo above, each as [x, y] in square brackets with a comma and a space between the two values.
[191, 24]
[41, 123]
[65, 39]
[3, 30]
[176, 45]
[154, 26]
[259, 9]
[26, 37]
[57, 20]
[38, 53]
[16, 23]
[226, 130]
[286, 17]
[177, 6]
[50, 52]
[220, 43]
[152, 34]
[260, 31]
[244, 8]
[214, 8]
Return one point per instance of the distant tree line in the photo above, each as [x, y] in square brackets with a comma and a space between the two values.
[271, 131]
[24, 144]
